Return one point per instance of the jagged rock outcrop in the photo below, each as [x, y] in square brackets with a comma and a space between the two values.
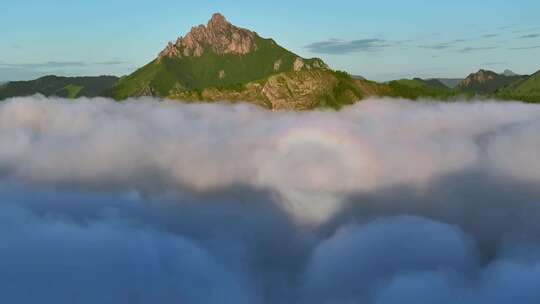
[277, 65]
[218, 35]
[146, 91]
[298, 64]
[479, 77]
[222, 74]
[300, 91]
[303, 90]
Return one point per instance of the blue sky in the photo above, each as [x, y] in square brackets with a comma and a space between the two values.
[381, 40]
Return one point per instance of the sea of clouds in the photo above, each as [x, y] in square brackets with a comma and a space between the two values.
[387, 201]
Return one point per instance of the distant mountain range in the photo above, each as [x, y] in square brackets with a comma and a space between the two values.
[69, 87]
[506, 86]
[220, 61]
[487, 82]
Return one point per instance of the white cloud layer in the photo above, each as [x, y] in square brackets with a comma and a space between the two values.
[384, 201]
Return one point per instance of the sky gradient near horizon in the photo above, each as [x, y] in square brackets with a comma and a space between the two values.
[380, 40]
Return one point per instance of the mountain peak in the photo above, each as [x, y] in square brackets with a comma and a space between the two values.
[221, 61]
[486, 82]
[485, 72]
[479, 77]
[218, 36]
[508, 72]
[218, 21]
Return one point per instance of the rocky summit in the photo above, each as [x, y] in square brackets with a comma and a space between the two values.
[479, 77]
[218, 35]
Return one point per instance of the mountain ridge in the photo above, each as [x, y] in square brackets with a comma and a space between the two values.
[220, 61]
[486, 82]
[51, 85]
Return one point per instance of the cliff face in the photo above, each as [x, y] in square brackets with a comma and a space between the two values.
[300, 90]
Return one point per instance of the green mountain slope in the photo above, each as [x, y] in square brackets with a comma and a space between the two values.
[220, 61]
[216, 55]
[434, 83]
[294, 90]
[419, 88]
[69, 87]
[527, 89]
[210, 70]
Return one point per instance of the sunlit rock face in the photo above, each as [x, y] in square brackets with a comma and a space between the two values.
[218, 35]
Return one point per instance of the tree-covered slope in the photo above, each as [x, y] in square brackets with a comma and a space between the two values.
[419, 88]
[527, 89]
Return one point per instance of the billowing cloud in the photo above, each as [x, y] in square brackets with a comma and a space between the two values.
[386, 201]
[379, 251]
[51, 260]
